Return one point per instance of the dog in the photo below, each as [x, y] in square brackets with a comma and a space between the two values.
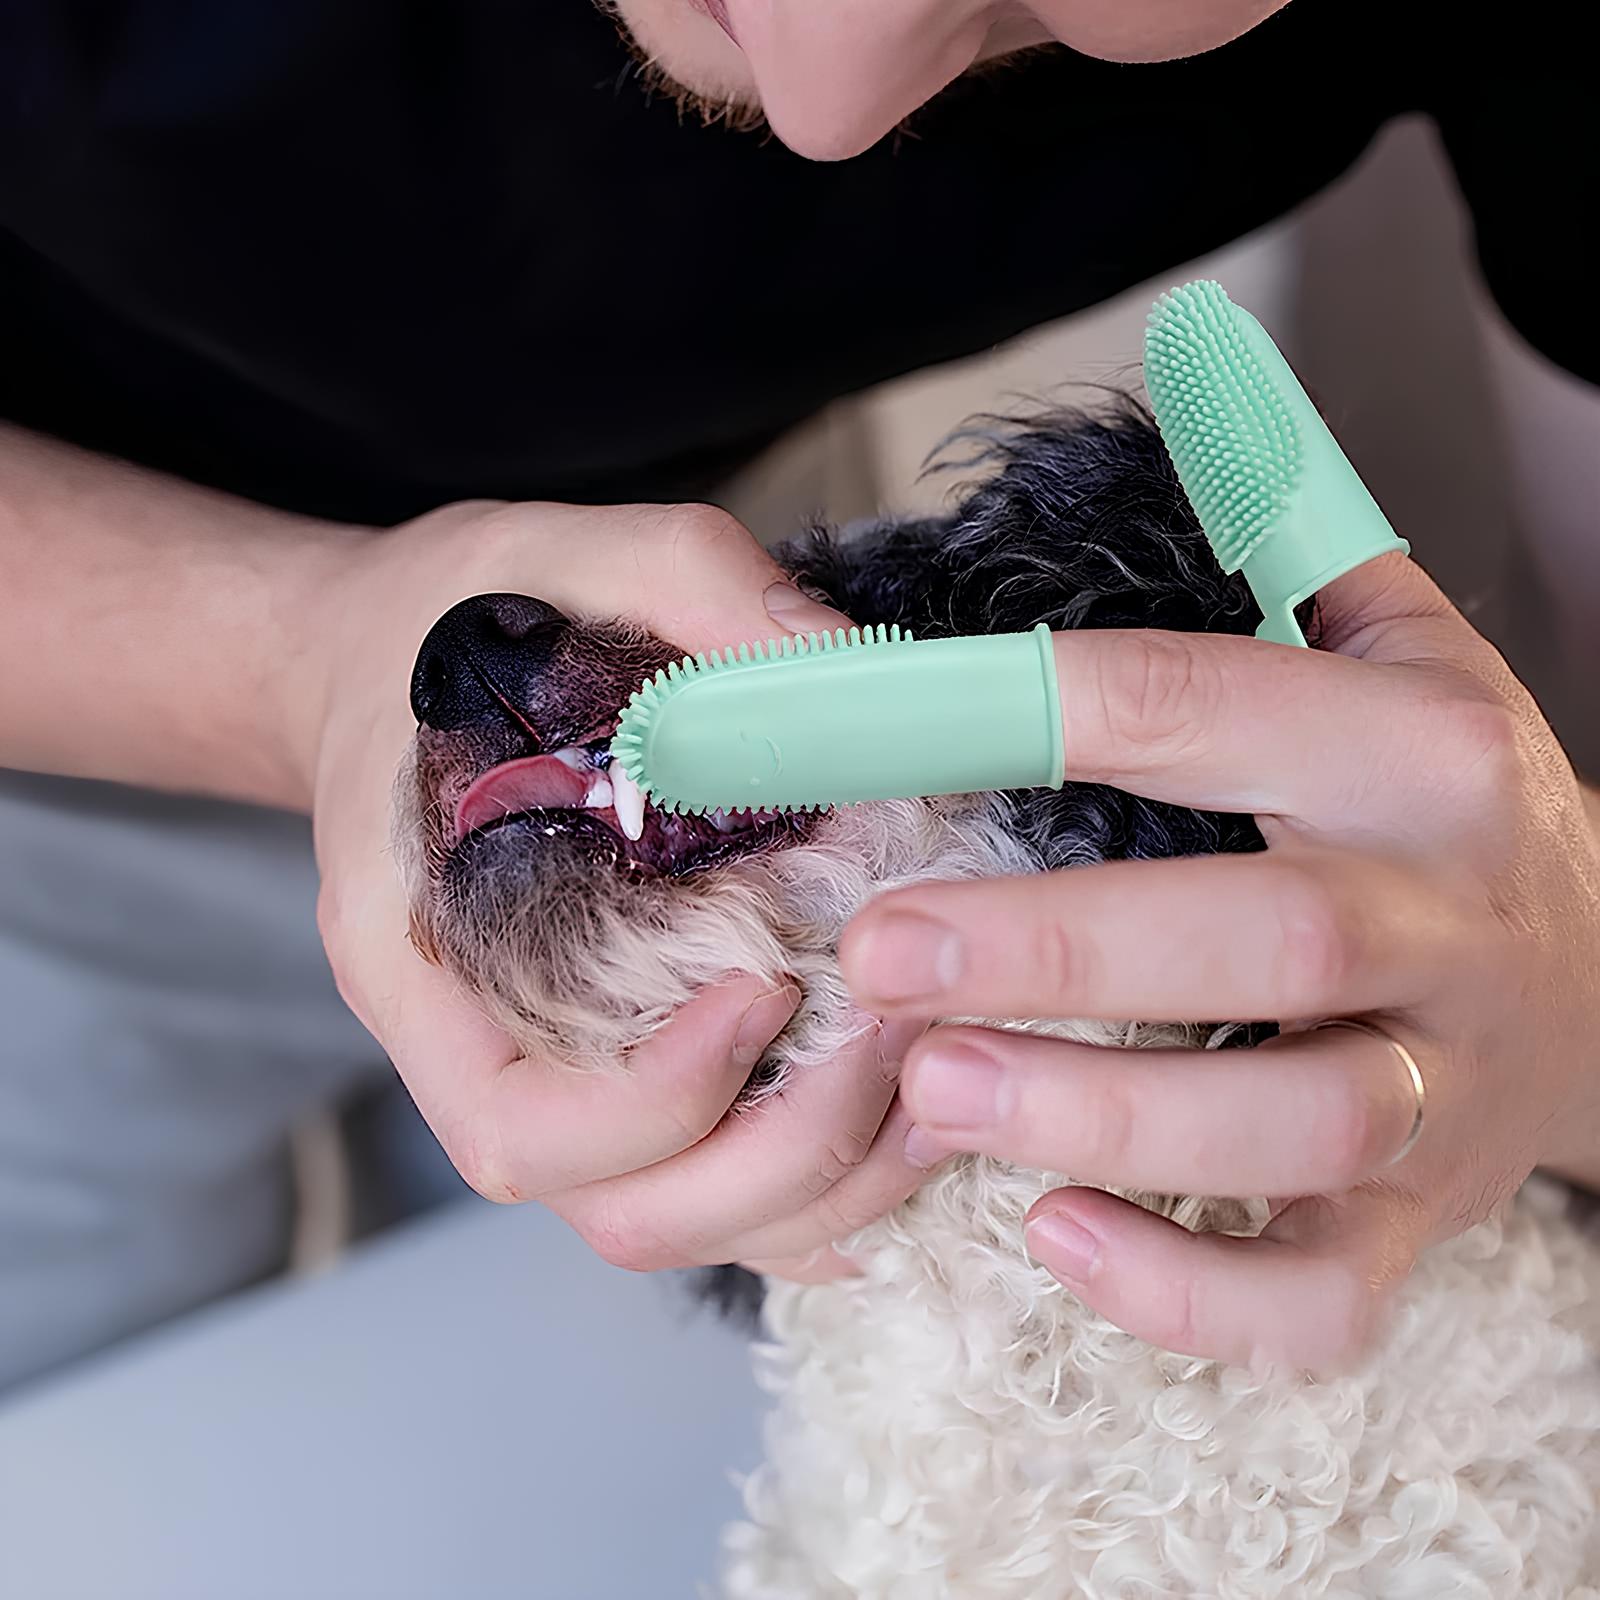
[954, 1423]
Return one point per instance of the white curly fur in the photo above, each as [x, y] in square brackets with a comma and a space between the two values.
[955, 1424]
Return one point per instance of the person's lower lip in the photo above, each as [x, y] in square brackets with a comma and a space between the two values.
[717, 10]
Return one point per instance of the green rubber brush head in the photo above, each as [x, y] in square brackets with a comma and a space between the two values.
[804, 723]
[1275, 495]
[1231, 433]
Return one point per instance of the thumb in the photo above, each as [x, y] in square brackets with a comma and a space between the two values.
[703, 582]
[1359, 610]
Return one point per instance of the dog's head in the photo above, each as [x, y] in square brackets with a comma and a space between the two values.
[581, 940]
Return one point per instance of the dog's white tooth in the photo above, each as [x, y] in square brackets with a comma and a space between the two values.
[628, 799]
[599, 795]
[574, 756]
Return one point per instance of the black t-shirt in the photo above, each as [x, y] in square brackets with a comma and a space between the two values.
[361, 257]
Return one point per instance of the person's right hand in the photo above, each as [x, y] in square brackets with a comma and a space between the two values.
[642, 1163]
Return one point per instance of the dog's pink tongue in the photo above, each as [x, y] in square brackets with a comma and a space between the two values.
[534, 783]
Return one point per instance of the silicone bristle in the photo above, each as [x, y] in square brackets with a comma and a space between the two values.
[627, 743]
[1231, 434]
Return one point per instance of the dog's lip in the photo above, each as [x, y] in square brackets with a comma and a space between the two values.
[554, 782]
[572, 790]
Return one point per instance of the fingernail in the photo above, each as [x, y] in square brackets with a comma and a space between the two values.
[795, 612]
[924, 1149]
[762, 1023]
[958, 1087]
[1062, 1246]
[906, 956]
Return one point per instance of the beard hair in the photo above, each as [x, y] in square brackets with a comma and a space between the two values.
[710, 111]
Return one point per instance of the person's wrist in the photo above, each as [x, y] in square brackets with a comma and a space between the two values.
[318, 606]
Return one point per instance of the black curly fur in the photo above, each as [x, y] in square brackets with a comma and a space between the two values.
[1080, 523]
[1083, 525]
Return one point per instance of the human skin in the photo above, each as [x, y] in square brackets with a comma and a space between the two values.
[1431, 864]
[831, 77]
[263, 657]
[1431, 868]
[155, 633]
[1432, 860]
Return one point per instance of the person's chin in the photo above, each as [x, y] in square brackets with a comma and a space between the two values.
[1131, 35]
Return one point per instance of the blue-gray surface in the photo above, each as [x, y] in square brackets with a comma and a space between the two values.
[474, 1405]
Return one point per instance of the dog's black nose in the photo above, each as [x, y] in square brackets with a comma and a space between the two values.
[482, 660]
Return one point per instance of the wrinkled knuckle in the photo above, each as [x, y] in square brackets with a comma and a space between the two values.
[1107, 1130]
[1316, 943]
[887, 1071]
[1186, 1316]
[485, 1173]
[620, 1239]
[1160, 693]
[488, 531]
[843, 1214]
[1058, 961]
[843, 1153]
[686, 1123]
[1482, 1188]
[1485, 745]
[696, 529]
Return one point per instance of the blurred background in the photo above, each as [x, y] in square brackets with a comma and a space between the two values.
[443, 1397]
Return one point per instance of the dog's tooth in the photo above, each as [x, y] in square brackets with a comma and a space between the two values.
[628, 800]
[599, 795]
[574, 756]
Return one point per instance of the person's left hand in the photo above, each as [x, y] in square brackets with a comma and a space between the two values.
[1430, 871]
[645, 1164]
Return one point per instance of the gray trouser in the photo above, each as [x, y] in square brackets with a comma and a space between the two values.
[166, 1017]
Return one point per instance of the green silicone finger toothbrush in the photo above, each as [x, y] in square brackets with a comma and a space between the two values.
[870, 715]
[1277, 497]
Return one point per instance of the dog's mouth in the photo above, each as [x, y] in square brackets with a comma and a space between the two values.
[578, 794]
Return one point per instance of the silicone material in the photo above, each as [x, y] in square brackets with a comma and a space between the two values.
[1275, 494]
[830, 719]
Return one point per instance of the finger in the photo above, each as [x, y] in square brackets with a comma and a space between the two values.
[1306, 1294]
[1306, 1113]
[535, 1126]
[693, 574]
[1240, 725]
[887, 1175]
[446, 1051]
[1366, 613]
[1284, 934]
[764, 1165]
[1389, 611]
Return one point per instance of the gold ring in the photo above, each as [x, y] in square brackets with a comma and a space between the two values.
[1418, 1088]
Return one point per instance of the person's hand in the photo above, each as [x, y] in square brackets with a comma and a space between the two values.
[641, 1163]
[1430, 870]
